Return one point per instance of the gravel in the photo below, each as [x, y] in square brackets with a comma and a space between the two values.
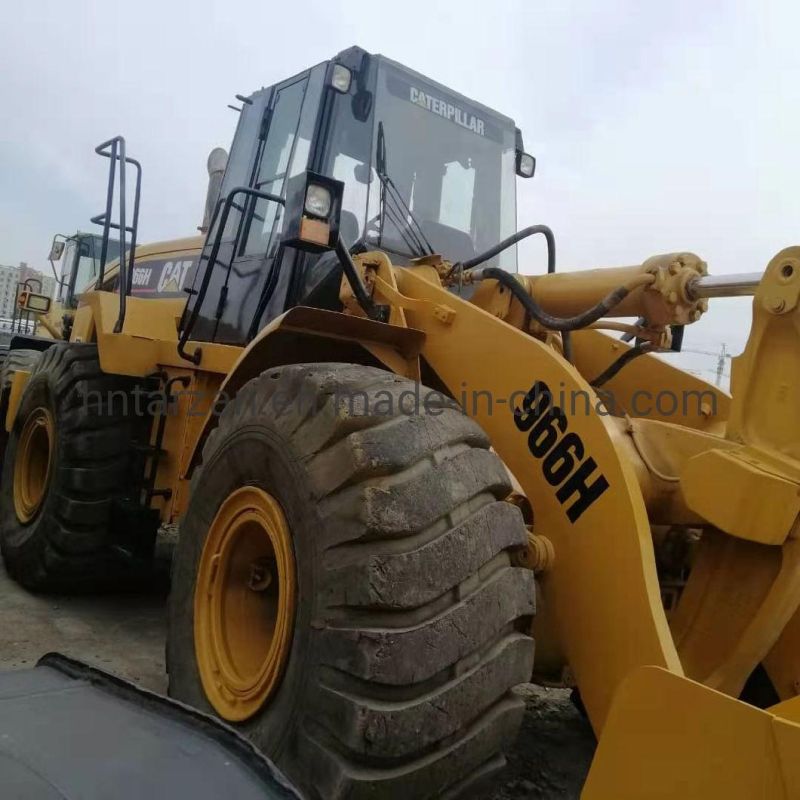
[553, 751]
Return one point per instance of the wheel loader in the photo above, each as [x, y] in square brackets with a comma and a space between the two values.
[39, 318]
[157, 270]
[161, 270]
[396, 462]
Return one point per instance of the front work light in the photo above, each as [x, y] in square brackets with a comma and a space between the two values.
[35, 303]
[318, 200]
[526, 165]
[341, 77]
[312, 211]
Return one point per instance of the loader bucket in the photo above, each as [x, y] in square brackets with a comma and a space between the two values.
[668, 736]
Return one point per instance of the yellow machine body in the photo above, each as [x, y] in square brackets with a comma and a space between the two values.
[659, 664]
[172, 259]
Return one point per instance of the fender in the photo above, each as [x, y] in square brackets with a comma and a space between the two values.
[18, 384]
[23, 342]
[307, 335]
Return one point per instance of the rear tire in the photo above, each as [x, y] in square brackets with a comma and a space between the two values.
[12, 361]
[64, 529]
[3, 404]
[409, 629]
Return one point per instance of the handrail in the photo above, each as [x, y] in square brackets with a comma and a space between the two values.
[114, 149]
[373, 311]
[212, 261]
[24, 317]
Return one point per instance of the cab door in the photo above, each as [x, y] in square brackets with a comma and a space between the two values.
[252, 272]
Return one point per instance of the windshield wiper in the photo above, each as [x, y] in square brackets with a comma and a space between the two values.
[410, 229]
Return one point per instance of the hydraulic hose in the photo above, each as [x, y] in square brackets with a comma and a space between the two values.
[512, 240]
[566, 345]
[614, 368]
[581, 320]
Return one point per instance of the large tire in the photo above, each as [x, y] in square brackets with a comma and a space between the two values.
[409, 631]
[11, 361]
[77, 537]
[3, 404]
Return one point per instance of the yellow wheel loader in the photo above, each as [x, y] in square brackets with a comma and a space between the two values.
[39, 318]
[162, 269]
[396, 462]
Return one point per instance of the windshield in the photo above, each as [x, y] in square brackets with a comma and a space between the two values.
[443, 176]
[87, 247]
[67, 260]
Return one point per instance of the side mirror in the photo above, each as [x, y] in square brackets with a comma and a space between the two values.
[363, 174]
[312, 212]
[34, 303]
[362, 105]
[56, 251]
[526, 165]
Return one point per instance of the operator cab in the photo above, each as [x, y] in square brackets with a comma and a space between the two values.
[425, 170]
[80, 263]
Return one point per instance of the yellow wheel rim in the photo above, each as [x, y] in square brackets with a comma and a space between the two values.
[33, 463]
[244, 603]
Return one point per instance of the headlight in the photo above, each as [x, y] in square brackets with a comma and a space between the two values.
[318, 200]
[526, 165]
[340, 78]
[312, 212]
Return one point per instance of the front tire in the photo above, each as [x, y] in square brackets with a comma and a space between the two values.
[408, 618]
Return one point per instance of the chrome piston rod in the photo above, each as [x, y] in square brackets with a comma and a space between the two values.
[742, 285]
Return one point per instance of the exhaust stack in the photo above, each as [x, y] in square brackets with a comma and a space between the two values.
[217, 161]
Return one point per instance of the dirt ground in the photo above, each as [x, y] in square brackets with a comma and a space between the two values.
[124, 634]
[553, 751]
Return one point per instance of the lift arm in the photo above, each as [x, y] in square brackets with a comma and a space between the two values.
[601, 597]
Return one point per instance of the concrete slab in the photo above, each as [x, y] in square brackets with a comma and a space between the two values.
[123, 634]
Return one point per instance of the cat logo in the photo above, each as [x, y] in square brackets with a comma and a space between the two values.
[448, 111]
[173, 276]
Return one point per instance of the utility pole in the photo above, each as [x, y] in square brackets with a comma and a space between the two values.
[721, 357]
[721, 363]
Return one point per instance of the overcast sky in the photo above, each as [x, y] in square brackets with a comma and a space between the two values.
[657, 126]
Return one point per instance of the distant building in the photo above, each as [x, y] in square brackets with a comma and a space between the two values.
[11, 277]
